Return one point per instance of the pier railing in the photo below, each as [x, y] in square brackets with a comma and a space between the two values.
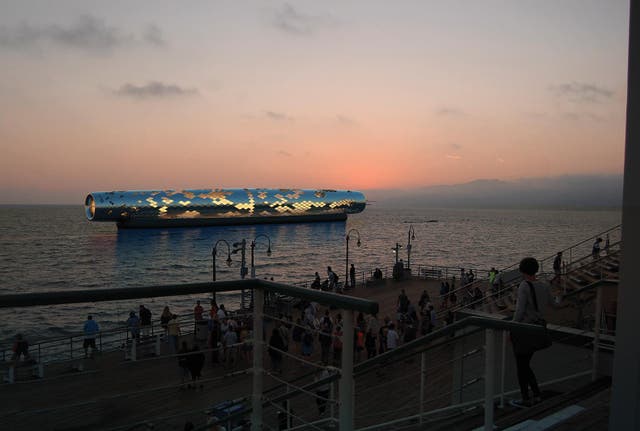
[460, 366]
[579, 250]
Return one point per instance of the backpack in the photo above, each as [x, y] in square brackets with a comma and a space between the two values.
[337, 342]
[335, 277]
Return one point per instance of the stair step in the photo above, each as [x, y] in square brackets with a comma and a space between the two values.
[592, 273]
[547, 422]
[578, 280]
[549, 406]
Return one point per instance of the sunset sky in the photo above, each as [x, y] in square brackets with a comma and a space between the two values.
[104, 95]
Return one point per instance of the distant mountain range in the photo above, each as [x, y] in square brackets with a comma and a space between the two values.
[571, 191]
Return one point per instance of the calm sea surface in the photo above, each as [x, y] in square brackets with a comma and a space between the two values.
[48, 248]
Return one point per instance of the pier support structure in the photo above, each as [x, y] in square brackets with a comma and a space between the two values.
[346, 377]
[625, 403]
[258, 363]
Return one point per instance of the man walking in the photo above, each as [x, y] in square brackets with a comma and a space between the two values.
[91, 328]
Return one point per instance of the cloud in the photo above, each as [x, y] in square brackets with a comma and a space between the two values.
[455, 146]
[345, 121]
[153, 35]
[450, 112]
[278, 116]
[453, 156]
[154, 89]
[87, 33]
[580, 92]
[500, 160]
[578, 116]
[289, 20]
[284, 153]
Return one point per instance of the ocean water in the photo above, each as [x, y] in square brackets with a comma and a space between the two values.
[48, 248]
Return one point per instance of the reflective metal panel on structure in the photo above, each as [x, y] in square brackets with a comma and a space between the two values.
[221, 206]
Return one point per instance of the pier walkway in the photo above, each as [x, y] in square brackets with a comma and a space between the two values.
[110, 392]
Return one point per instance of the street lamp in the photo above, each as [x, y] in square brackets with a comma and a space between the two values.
[241, 247]
[253, 246]
[410, 235]
[346, 269]
[396, 250]
[214, 254]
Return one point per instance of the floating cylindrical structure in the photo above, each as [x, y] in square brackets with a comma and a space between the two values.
[215, 207]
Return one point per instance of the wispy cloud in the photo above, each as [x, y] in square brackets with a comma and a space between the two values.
[455, 146]
[284, 153]
[343, 120]
[453, 156]
[578, 116]
[450, 112]
[580, 92]
[500, 160]
[278, 116]
[290, 20]
[87, 33]
[153, 35]
[154, 90]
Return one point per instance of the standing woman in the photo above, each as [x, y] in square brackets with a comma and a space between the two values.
[164, 320]
[531, 304]
[276, 347]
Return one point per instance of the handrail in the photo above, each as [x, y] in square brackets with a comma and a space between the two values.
[183, 319]
[118, 294]
[571, 247]
[619, 243]
[604, 283]
[418, 345]
[598, 283]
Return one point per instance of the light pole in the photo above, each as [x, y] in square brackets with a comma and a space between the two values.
[346, 264]
[396, 250]
[213, 255]
[241, 247]
[410, 235]
[253, 246]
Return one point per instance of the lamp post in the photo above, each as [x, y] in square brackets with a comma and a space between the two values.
[253, 246]
[410, 235]
[346, 264]
[214, 254]
[396, 250]
[241, 247]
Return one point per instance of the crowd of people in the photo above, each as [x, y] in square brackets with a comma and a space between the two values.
[317, 334]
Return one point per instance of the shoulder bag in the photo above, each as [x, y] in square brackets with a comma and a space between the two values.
[526, 343]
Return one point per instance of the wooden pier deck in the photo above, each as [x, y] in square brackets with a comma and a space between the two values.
[114, 394]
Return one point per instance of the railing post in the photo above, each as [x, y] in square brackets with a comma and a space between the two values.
[133, 349]
[40, 370]
[157, 336]
[288, 407]
[423, 373]
[570, 256]
[258, 342]
[332, 404]
[11, 374]
[504, 367]
[346, 377]
[596, 338]
[489, 378]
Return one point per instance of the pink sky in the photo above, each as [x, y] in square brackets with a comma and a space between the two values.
[97, 96]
